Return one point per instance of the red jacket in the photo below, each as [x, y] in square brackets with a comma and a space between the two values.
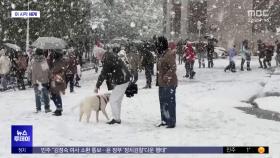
[189, 52]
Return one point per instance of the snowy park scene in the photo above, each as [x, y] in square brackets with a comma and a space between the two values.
[155, 74]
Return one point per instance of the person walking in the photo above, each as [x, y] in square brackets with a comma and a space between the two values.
[190, 59]
[116, 71]
[231, 54]
[40, 80]
[58, 83]
[167, 82]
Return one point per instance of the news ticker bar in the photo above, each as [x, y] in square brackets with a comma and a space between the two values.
[141, 150]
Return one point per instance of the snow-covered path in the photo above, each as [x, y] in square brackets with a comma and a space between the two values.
[206, 116]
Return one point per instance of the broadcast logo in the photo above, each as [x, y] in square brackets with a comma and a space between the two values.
[21, 139]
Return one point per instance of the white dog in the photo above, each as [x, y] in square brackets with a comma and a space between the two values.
[96, 103]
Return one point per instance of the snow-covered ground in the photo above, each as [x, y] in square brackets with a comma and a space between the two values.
[206, 116]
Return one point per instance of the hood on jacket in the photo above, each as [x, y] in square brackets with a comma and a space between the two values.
[162, 45]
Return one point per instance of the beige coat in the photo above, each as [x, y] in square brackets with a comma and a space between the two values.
[40, 70]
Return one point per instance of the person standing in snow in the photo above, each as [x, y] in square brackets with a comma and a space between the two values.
[40, 80]
[180, 51]
[201, 54]
[115, 70]
[71, 70]
[210, 53]
[268, 56]
[58, 84]
[5, 67]
[167, 82]
[245, 55]
[78, 75]
[189, 58]
[22, 64]
[261, 52]
[231, 55]
[122, 55]
[147, 63]
[134, 61]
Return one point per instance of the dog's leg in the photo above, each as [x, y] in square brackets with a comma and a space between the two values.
[97, 114]
[81, 115]
[88, 116]
[104, 112]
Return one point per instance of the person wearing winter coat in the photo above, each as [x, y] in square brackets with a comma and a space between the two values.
[134, 61]
[210, 54]
[5, 67]
[148, 64]
[231, 54]
[167, 82]
[261, 52]
[180, 50]
[115, 70]
[245, 55]
[268, 56]
[57, 82]
[78, 75]
[201, 54]
[71, 70]
[22, 64]
[40, 80]
[122, 55]
[189, 58]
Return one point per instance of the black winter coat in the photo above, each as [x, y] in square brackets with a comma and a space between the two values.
[114, 70]
[148, 58]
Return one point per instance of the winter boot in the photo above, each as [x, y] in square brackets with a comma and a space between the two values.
[48, 110]
[147, 87]
[192, 74]
[57, 113]
[113, 121]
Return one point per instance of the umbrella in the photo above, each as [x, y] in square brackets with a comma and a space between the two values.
[119, 40]
[49, 43]
[13, 46]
